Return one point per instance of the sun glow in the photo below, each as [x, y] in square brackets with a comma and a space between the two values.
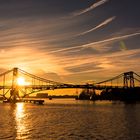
[21, 81]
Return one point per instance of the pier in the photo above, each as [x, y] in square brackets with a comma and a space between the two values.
[35, 101]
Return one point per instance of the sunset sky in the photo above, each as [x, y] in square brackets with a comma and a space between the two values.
[72, 41]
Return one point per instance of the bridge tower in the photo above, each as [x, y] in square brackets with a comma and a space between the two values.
[129, 79]
[14, 92]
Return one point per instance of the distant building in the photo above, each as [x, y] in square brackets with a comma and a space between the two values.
[42, 95]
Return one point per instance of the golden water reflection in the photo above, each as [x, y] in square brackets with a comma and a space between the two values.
[20, 120]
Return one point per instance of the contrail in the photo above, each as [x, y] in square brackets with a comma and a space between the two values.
[98, 26]
[97, 42]
[93, 6]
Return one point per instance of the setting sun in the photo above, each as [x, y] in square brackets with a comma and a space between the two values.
[21, 81]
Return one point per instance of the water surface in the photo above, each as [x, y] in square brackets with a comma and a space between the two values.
[68, 119]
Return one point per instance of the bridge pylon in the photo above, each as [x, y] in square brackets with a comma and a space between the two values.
[129, 79]
[14, 92]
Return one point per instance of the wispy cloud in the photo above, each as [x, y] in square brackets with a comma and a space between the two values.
[113, 39]
[25, 57]
[105, 22]
[124, 61]
[93, 6]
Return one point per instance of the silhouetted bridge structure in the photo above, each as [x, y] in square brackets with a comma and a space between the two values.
[16, 84]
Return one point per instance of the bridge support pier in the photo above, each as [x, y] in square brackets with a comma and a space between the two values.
[14, 92]
[129, 80]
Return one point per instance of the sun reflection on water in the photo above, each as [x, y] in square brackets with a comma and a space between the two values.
[20, 120]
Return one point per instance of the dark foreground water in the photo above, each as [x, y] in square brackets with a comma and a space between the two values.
[70, 120]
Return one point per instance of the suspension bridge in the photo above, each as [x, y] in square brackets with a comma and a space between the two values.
[16, 84]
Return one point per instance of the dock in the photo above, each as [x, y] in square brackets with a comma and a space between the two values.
[35, 101]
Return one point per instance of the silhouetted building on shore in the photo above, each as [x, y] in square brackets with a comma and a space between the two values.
[122, 94]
